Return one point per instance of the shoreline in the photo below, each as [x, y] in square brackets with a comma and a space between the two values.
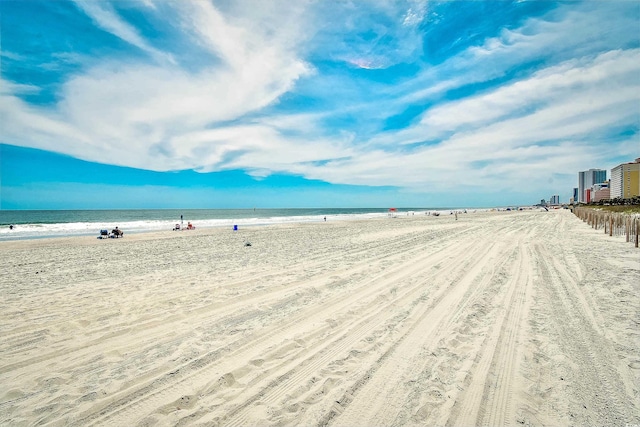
[35, 231]
[86, 239]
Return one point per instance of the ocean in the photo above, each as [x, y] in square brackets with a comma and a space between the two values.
[33, 224]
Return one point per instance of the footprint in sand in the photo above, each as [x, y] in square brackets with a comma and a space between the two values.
[12, 395]
[227, 380]
[257, 362]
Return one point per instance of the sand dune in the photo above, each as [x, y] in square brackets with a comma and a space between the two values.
[497, 318]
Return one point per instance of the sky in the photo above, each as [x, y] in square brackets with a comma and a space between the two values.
[330, 103]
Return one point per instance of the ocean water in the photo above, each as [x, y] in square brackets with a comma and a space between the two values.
[33, 224]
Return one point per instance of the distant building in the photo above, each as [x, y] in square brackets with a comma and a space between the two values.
[600, 194]
[575, 197]
[543, 202]
[625, 180]
[554, 200]
[586, 179]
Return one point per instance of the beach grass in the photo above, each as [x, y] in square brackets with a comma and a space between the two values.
[634, 209]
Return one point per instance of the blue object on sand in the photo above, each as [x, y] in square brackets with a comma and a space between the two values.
[235, 228]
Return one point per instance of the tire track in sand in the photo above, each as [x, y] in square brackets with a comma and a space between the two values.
[579, 341]
[380, 397]
[491, 375]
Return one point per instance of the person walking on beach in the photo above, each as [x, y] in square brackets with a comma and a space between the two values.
[181, 221]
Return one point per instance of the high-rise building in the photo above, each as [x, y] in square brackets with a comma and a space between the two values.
[575, 195]
[586, 179]
[554, 200]
[625, 180]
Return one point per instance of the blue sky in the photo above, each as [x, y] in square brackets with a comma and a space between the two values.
[206, 104]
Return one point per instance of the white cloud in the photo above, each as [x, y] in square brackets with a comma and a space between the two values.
[416, 13]
[255, 147]
[131, 113]
[30, 126]
[556, 95]
[106, 17]
[11, 88]
[572, 31]
[12, 55]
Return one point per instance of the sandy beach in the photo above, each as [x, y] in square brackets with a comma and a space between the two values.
[496, 318]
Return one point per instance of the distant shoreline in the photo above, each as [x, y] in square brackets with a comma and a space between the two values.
[49, 224]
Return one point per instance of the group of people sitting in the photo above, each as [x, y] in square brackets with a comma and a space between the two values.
[188, 227]
[115, 233]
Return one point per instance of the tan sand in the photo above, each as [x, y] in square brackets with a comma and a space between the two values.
[497, 318]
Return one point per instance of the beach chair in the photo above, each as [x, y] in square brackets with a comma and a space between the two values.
[104, 234]
[177, 227]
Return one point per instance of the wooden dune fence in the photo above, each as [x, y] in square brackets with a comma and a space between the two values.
[612, 223]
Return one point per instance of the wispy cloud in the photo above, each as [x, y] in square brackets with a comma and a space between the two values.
[416, 13]
[104, 15]
[562, 96]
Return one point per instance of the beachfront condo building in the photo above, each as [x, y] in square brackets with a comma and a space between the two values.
[625, 180]
[600, 192]
[574, 199]
[586, 179]
[554, 200]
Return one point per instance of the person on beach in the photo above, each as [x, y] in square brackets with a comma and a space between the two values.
[325, 219]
